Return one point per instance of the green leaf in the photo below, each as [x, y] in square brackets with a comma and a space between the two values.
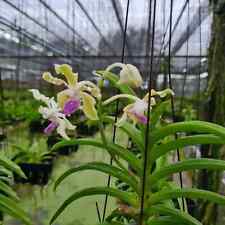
[188, 126]
[191, 193]
[10, 165]
[134, 134]
[105, 168]
[159, 150]
[189, 164]
[111, 223]
[157, 112]
[11, 208]
[164, 220]
[174, 213]
[123, 196]
[8, 191]
[113, 79]
[112, 148]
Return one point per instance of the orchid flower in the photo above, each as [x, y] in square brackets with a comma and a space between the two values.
[129, 74]
[136, 111]
[77, 95]
[53, 113]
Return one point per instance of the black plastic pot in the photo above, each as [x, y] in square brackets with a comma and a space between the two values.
[52, 140]
[84, 130]
[37, 126]
[2, 137]
[36, 173]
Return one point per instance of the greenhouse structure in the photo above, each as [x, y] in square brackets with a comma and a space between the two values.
[112, 112]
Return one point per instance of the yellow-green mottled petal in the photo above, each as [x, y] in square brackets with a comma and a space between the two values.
[67, 71]
[89, 106]
[53, 80]
[62, 98]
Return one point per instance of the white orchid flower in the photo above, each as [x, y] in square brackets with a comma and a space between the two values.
[53, 113]
[77, 95]
[137, 111]
[129, 74]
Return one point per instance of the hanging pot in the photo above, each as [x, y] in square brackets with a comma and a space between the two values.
[84, 130]
[36, 173]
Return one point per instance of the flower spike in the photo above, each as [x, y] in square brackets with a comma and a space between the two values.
[129, 74]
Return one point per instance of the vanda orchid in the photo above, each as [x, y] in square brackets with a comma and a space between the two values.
[77, 95]
[162, 196]
[137, 111]
[54, 114]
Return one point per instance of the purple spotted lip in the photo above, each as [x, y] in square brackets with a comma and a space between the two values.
[140, 117]
[50, 128]
[71, 106]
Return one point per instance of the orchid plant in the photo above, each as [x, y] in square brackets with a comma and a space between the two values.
[162, 198]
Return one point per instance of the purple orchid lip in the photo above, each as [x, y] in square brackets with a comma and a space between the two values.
[141, 118]
[50, 128]
[71, 106]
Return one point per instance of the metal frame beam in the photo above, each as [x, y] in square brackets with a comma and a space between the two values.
[100, 56]
[194, 24]
[30, 36]
[66, 24]
[34, 20]
[94, 25]
[120, 22]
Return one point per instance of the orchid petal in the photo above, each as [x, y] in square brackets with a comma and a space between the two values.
[122, 120]
[67, 71]
[129, 74]
[40, 97]
[131, 97]
[161, 94]
[164, 93]
[91, 87]
[50, 128]
[63, 125]
[89, 106]
[53, 80]
[63, 97]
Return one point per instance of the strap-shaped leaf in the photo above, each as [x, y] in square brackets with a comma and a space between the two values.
[191, 193]
[105, 168]
[8, 190]
[189, 164]
[113, 79]
[10, 165]
[111, 223]
[165, 220]
[162, 149]
[175, 213]
[11, 208]
[157, 112]
[188, 126]
[117, 213]
[134, 134]
[123, 196]
[112, 148]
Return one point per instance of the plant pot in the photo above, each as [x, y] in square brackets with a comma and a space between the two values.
[36, 173]
[52, 140]
[85, 130]
[2, 137]
[37, 126]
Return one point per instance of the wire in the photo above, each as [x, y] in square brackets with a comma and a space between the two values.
[147, 131]
[171, 87]
[117, 105]
[200, 66]
[187, 60]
